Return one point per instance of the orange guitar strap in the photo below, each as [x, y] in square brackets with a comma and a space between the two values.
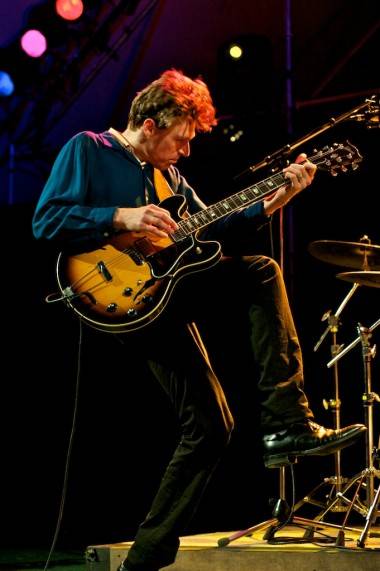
[163, 191]
[161, 185]
[163, 188]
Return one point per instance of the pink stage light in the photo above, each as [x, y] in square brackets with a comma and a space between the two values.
[34, 43]
[69, 9]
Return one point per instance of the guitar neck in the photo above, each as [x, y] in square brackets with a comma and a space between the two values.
[333, 159]
[246, 197]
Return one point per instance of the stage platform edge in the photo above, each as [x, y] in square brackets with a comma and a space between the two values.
[202, 553]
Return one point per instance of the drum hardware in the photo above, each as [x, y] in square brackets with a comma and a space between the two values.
[366, 477]
[275, 162]
[364, 257]
[336, 481]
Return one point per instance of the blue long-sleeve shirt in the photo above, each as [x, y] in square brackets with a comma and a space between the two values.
[94, 174]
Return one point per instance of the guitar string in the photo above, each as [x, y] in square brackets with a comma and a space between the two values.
[110, 263]
[183, 224]
[95, 269]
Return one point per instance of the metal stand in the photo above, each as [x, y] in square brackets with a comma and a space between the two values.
[371, 518]
[337, 480]
[365, 478]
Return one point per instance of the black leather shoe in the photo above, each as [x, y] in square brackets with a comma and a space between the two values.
[306, 438]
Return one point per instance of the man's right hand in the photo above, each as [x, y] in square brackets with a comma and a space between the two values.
[151, 219]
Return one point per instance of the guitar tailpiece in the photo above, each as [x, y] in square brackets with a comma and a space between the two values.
[53, 297]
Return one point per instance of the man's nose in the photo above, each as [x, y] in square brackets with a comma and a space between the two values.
[185, 150]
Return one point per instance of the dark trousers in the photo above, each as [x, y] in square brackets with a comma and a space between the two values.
[254, 287]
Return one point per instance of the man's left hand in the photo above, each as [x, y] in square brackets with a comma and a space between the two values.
[300, 175]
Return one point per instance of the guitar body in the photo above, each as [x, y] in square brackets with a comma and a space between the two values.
[126, 284]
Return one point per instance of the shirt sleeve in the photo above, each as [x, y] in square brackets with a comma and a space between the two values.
[62, 213]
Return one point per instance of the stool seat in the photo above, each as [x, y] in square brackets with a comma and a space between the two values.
[280, 460]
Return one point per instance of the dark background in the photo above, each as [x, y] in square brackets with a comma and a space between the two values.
[121, 447]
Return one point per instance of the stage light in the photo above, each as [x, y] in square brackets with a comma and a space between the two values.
[69, 9]
[235, 51]
[6, 84]
[244, 76]
[33, 43]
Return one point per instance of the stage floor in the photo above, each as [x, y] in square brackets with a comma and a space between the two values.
[253, 553]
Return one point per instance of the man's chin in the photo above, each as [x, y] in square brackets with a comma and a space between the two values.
[163, 166]
[166, 165]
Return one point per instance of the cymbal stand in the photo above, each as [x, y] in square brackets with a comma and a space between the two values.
[368, 399]
[366, 477]
[334, 404]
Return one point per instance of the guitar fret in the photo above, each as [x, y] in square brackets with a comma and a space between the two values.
[243, 197]
[219, 209]
[254, 191]
[204, 216]
[198, 222]
[226, 205]
[179, 234]
[233, 202]
[188, 224]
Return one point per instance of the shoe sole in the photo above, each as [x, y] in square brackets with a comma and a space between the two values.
[287, 458]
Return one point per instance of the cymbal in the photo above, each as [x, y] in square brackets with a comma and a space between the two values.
[371, 279]
[355, 255]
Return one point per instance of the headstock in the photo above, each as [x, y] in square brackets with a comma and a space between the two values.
[340, 157]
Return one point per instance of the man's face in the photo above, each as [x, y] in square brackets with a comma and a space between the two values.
[165, 146]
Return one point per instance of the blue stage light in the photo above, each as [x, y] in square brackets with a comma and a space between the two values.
[6, 84]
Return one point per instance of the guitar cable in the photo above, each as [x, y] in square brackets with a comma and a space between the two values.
[69, 450]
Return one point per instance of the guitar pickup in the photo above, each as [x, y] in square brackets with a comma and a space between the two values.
[104, 271]
[135, 256]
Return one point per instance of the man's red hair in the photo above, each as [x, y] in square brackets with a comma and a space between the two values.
[173, 95]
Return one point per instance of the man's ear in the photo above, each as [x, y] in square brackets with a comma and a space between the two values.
[149, 127]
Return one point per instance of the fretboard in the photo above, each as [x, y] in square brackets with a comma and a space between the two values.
[241, 199]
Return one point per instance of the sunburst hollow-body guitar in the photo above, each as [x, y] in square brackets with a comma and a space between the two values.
[126, 284]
